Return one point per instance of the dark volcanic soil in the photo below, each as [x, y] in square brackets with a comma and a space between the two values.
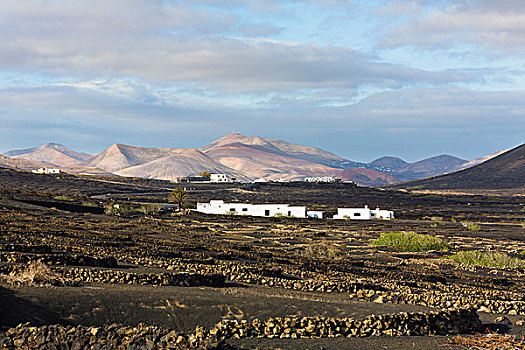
[272, 266]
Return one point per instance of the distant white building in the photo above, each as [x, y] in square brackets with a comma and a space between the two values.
[46, 171]
[220, 178]
[318, 179]
[363, 213]
[269, 210]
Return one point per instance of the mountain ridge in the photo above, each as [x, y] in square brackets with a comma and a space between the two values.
[243, 157]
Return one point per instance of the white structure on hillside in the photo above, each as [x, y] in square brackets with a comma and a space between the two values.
[220, 207]
[220, 178]
[46, 171]
[320, 179]
[363, 213]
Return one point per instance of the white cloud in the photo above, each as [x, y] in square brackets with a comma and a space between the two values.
[489, 25]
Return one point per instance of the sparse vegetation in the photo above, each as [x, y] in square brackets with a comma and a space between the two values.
[487, 259]
[470, 226]
[319, 206]
[118, 209]
[35, 273]
[64, 198]
[89, 204]
[410, 241]
[150, 209]
[323, 250]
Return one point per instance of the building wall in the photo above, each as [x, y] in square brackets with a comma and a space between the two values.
[220, 207]
[353, 213]
[219, 178]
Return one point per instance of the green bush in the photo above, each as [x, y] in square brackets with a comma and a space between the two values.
[64, 198]
[487, 259]
[189, 205]
[410, 241]
[470, 226]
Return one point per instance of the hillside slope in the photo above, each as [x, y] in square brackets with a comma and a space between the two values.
[50, 153]
[506, 171]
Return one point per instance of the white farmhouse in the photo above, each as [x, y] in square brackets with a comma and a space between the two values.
[220, 207]
[220, 178]
[363, 213]
[46, 171]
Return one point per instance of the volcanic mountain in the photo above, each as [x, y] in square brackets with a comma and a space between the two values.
[283, 148]
[157, 163]
[506, 171]
[51, 154]
[429, 167]
[22, 164]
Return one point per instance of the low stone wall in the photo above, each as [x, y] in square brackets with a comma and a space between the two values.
[181, 279]
[149, 337]
[108, 337]
[58, 259]
[401, 324]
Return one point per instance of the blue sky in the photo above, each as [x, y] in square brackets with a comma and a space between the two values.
[359, 78]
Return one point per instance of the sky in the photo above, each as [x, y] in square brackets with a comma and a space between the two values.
[362, 79]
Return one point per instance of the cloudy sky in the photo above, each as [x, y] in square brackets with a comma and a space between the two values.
[359, 78]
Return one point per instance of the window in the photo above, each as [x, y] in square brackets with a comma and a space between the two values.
[357, 214]
[244, 209]
[232, 209]
[266, 213]
[289, 213]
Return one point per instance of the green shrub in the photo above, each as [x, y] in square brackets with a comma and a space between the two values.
[189, 205]
[470, 226]
[318, 206]
[410, 241]
[487, 259]
[89, 204]
[64, 198]
[231, 213]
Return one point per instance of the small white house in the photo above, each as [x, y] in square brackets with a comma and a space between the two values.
[220, 178]
[220, 207]
[363, 213]
[46, 171]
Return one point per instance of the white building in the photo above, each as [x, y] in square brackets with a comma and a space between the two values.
[269, 210]
[320, 179]
[46, 171]
[363, 213]
[220, 178]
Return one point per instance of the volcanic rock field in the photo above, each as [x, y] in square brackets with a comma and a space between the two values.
[74, 277]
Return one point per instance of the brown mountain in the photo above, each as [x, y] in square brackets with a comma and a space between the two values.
[283, 148]
[157, 163]
[506, 171]
[388, 164]
[368, 177]
[257, 162]
[429, 167]
[22, 164]
[51, 153]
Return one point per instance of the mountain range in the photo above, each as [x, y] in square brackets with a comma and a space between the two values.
[239, 156]
[506, 171]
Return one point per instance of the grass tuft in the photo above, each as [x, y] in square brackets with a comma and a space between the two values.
[410, 242]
